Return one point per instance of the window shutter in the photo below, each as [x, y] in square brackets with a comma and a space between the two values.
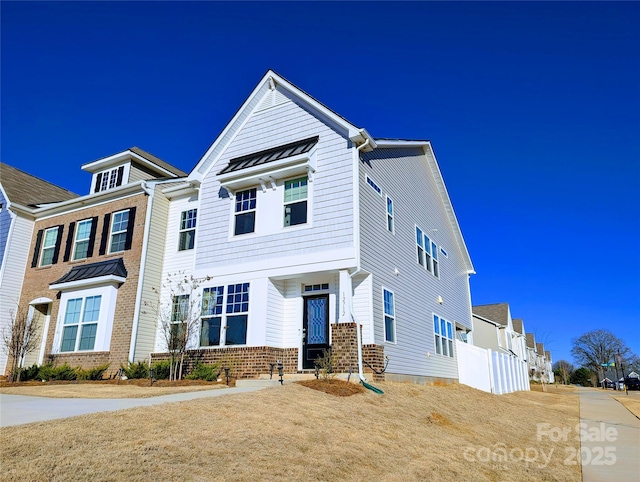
[120, 174]
[130, 225]
[67, 249]
[98, 182]
[36, 250]
[92, 236]
[105, 234]
[56, 252]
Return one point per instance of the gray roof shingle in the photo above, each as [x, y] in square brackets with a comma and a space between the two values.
[27, 190]
[517, 325]
[498, 312]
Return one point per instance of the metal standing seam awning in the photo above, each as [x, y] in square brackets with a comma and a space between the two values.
[112, 270]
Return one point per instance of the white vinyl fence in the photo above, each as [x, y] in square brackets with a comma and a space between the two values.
[490, 371]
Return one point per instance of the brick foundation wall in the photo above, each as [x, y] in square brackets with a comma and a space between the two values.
[245, 362]
[344, 345]
[374, 355]
[85, 360]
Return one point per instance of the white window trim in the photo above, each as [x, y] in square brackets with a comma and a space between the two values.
[109, 295]
[223, 317]
[180, 230]
[445, 337]
[125, 177]
[53, 247]
[384, 314]
[429, 247]
[285, 203]
[369, 180]
[389, 216]
[112, 233]
[75, 238]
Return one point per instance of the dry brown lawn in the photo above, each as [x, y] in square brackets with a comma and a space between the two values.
[293, 433]
[132, 389]
[630, 401]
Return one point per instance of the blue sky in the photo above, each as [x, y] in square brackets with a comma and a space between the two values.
[533, 110]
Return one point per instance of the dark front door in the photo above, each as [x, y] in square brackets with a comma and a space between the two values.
[315, 325]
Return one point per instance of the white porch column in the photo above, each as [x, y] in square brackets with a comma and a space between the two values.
[345, 297]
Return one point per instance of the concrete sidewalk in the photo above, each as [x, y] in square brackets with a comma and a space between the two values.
[20, 409]
[610, 439]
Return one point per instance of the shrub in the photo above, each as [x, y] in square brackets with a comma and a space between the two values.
[30, 373]
[326, 364]
[201, 371]
[136, 370]
[62, 372]
[161, 369]
[92, 373]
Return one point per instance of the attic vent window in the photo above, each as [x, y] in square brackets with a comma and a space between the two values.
[374, 186]
[109, 179]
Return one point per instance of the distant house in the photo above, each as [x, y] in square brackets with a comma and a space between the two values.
[531, 356]
[493, 330]
[93, 259]
[21, 195]
[312, 234]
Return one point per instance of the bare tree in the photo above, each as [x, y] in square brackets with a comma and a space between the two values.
[563, 370]
[597, 347]
[19, 338]
[178, 313]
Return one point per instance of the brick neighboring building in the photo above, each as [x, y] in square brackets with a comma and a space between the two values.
[92, 264]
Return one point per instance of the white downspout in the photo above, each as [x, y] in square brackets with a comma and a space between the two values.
[356, 217]
[143, 263]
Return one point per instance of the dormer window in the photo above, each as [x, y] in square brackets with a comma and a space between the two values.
[109, 179]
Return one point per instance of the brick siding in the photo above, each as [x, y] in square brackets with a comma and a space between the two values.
[37, 280]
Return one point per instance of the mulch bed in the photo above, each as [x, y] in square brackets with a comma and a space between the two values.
[339, 388]
[140, 382]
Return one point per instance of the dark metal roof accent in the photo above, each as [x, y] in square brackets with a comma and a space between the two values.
[270, 155]
[114, 267]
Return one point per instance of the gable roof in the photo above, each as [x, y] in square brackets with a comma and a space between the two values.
[517, 325]
[139, 155]
[358, 135]
[29, 191]
[270, 81]
[540, 349]
[531, 340]
[498, 312]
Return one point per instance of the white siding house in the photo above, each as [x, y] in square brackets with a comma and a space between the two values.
[307, 225]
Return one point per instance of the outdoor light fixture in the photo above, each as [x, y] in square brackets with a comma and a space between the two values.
[226, 373]
[281, 372]
[271, 365]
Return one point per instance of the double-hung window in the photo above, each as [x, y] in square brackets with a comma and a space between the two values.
[427, 253]
[245, 211]
[187, 229]
[212, 300]
[83, 233]
[443, 334]
[389, 316]
[224, 318]
[119, 225]
[49, 246]
[390, 226]
[295, 201]
[180, 313]
[80, 324]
